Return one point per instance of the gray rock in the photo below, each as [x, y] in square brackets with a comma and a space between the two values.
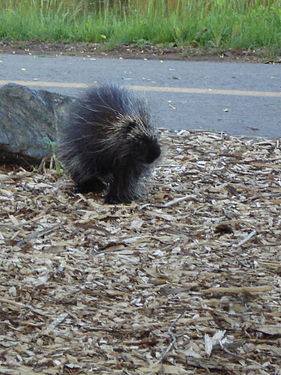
[29, 120]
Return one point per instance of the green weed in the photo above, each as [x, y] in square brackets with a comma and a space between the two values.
[54, 162]
[203, 23]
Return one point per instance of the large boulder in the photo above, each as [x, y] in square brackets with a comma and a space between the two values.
[29, 120]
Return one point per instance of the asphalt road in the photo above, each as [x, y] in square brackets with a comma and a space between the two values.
[236, 98]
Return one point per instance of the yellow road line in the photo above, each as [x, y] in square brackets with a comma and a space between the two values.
[186, 90]
[181, 90]
[45, 84]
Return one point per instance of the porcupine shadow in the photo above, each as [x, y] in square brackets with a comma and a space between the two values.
[109, 143]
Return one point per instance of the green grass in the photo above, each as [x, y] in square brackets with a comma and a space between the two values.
[202, 23]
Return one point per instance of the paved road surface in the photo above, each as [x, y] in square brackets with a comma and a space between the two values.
[240, 99]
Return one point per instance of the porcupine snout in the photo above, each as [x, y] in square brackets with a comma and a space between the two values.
[147, 150]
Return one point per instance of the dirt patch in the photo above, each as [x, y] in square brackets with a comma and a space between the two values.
[137, 52]
[186, 281]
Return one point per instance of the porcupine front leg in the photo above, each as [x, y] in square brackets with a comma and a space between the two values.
[92, 185]
[122, 189]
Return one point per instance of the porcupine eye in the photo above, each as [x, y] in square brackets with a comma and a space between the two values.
[131, 125]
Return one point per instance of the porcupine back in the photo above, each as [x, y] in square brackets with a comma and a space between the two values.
[109, 141]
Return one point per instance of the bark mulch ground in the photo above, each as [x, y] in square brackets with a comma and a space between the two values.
[186, 281]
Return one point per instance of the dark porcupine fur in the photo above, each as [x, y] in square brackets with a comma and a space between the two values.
[109, 143]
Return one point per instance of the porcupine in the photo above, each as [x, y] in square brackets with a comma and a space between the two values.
[109, 143]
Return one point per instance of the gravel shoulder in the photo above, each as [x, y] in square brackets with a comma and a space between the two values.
[138, 52]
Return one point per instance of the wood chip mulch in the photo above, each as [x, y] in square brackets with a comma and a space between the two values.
[186, 281]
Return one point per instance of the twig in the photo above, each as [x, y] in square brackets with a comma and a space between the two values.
[10, 302]
[173, 338]
[23, 306]
[37, 235]
[56, 322]
[268, 244]
[243, 289]
[178, 200]
[93, 329]
[247, 238]
[223, 347]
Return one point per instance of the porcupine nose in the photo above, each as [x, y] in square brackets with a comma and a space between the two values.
[153, 153]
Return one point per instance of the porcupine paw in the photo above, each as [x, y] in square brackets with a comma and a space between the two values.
[112, 199]
[94, 185]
